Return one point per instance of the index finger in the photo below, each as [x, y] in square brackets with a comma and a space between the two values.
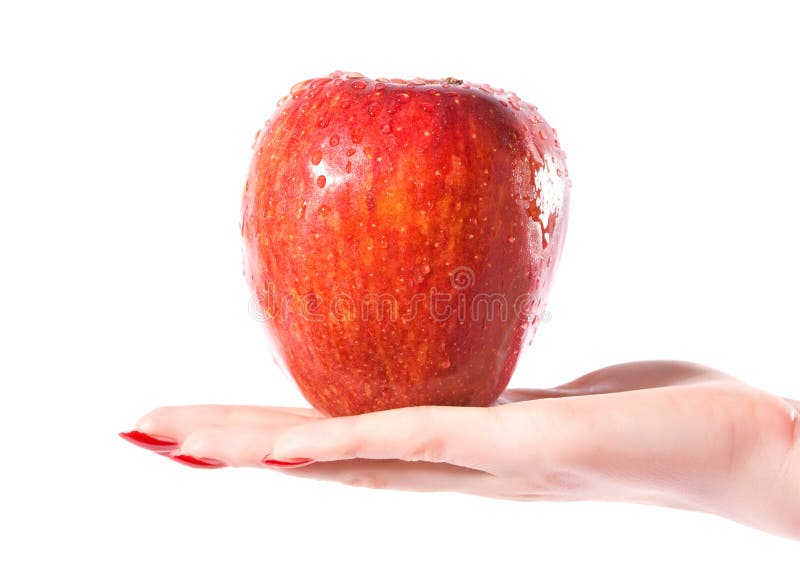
[462, 436]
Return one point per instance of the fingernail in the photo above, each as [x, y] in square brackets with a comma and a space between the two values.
[156, 443]
[194, 462]
[293, 463]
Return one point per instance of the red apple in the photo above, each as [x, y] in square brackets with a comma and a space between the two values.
[401, 236]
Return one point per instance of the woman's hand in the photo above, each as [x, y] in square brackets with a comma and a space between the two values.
[667, 433]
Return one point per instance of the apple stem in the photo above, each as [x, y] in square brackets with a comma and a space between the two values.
[452, 81]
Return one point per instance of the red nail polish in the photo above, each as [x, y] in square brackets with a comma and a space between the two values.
[156, 443]
[286, 464]
[188, 460]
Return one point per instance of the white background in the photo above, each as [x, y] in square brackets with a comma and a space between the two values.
[124, 142]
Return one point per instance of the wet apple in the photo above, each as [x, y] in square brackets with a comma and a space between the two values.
[400, 238]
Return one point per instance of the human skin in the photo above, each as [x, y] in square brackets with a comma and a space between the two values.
[665, 433]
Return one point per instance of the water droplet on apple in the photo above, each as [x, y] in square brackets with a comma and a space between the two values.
[319, 82]
[323, 211]
[321, 181]
[350, 151]
[428, 107]
[374, 109]
[402, 97]
[542, 134]
[348, 167]
[334, 140]
[445, 364]
[324, 120]
[426, 269]
[316, 157]
[386, 129]
[380, 86]
[354, 75]
[358, 85]
[345, 103]
[299, 86]
[511, 240]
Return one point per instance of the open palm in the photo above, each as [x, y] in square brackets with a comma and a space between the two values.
[660, 432]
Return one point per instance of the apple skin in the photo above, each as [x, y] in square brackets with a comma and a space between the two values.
[373, 206]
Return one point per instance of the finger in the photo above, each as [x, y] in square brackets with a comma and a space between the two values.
[175, 423]
[458, 435]
[242, 444]
[250, 445]
[400, 475]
